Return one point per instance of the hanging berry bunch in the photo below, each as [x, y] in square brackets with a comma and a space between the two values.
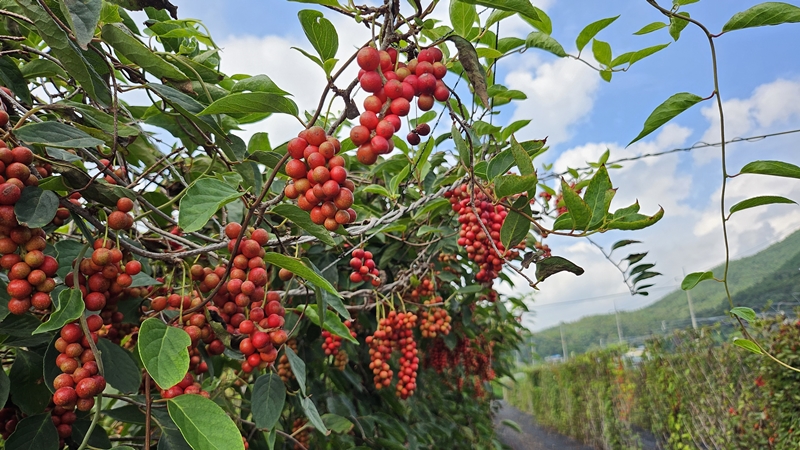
[332, 345]
[484, 249]
[395, 332]
[319, 179]
[364, 268]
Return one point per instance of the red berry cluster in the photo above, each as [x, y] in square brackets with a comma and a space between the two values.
[472, 357]
[119, 171]
[319, 179]
[8, 418]
[80, 381]
[104, 276]
[393, 86]
[480, 247]
[119, 219]
[332, 343]
[30, 271]
[435, 321]
[364, 268]
[187, 386]
[395, 332]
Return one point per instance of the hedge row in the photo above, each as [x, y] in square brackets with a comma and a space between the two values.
[692, 389]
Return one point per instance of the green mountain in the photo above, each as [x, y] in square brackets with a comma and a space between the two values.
[768, 277]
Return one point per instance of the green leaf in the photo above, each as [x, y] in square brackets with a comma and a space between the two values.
[666, 111]
[468, 57]
[34, 433]
[516, 226]
[203, 424]
[744, 313]
[332, 322]
[598, 196]
[70, 307]
[163, 351]
[626, 219]
[768, 13]
[759, 201]
[28, 390]
[601, 51]
[774, 168]
[269, 395]
[645, 52]
[649, 28]
[13, 78]
[36, 207]
[521, 157]
[463, 16]
[67, 52]
[641, 268]
[313, 416]
[202, 200]
[55, 134]
[513, 128]
[396, 180]
[320, 32]
[579, 210]
[303, 220]
[591, 30]
[633, 258]
[377, 189]
[299, 268]
[507, 185]
[100, 120]
[537, 39]
[553, 265]
[676, 25]
[82, 18]
[694, 278]
[258, 83]
[298, 367]
[336, 423]
[122, 373]
[500, 164]
[251, 102]
[523, 7]
[623, 243]
[747, 344]
[38, 68]
[461, 145]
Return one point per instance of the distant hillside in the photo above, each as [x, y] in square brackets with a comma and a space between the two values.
[771, 275]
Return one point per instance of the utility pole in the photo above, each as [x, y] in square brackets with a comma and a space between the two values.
[691, 307]
[563, 342]
[619, 326]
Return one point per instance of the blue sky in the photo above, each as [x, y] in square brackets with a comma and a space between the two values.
[583, 115]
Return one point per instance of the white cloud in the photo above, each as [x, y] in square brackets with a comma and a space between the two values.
[560, 95]
[775, 104]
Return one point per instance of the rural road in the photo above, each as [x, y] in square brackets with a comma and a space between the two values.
[533, 436]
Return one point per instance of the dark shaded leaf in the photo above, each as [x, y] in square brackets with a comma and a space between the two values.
[553, 265]
[82, 18]
[269, 395]
[472, 66]
[34, 433]
[122, 373]
[298, 368]
[759, 201]
[55, 134]
[36, 207]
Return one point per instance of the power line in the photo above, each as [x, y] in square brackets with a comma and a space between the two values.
[580, 300]
[695, 146]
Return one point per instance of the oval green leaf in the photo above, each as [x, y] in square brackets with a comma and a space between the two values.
[55, 134]
[202, 200]
[251, 102]
[70, 307]
[759, 201]
[543, 41]
[298, 368]
[522, 7]
[269, 395]
[122, 373]
[744, 313]
[36, 207]
[298, 268]
[747, 344]
[591, 30]
[313, 415]
[163, 351]
[463, 16]
[34, 433]
[649, 28]
[666, 111]
[320, 32]
[768, 13]
[774, 168]
[694, 278]
[203, 424]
